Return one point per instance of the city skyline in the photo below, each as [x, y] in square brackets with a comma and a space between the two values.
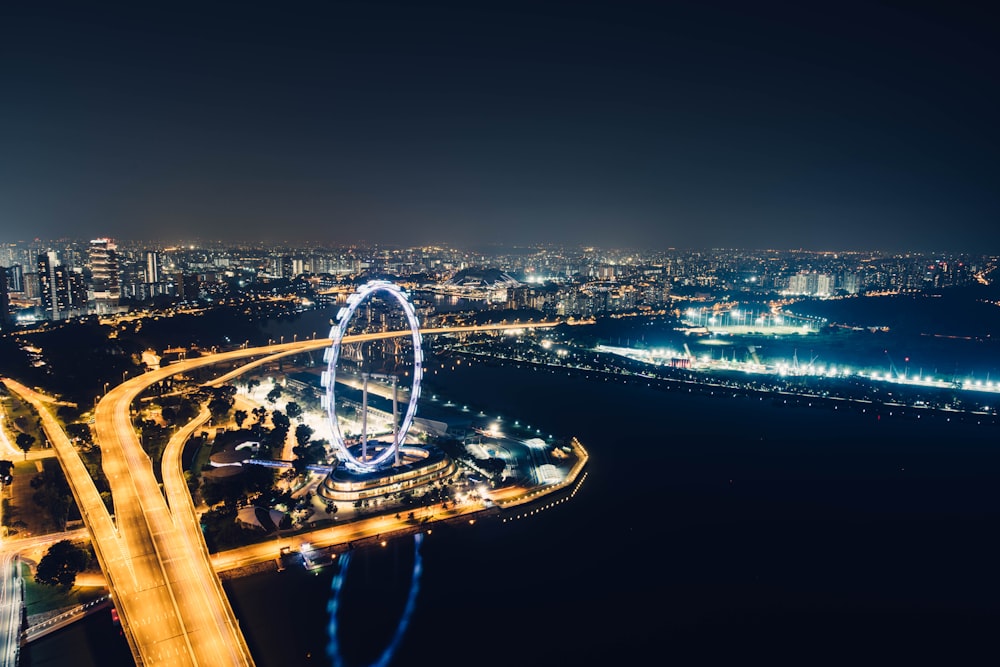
[861, 127]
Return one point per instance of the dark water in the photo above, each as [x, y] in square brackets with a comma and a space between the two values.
[709, 530]
[95, 641]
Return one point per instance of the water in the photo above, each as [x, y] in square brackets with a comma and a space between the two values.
[95, 641]
[708, 528]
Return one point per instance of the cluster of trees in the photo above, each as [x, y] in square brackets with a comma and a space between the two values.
[80, 356]
[220, 400]
[61, 563]
[178, 409]
[52, 494]
[154, 437]
[307, 451]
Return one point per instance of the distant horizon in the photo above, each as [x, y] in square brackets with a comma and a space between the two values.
[195, 243]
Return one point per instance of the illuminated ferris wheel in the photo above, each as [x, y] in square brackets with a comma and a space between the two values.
[370, 459]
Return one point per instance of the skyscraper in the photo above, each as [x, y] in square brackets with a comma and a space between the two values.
[15, 278]
[5, 320]
[105, 290]
[152, 266]
[53, 284]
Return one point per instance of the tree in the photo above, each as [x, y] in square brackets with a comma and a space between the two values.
[274, 394]
[302, 433]
[52, 493]
[219, 407]
[169, 414]
[68, 413]
[493, 467]
[80, 433]
[153, 437]
[239, 417]
[24, 442]
[293, 410]
[280, 422]
[60, 564]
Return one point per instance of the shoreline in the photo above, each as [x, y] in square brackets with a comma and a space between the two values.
[325, 543]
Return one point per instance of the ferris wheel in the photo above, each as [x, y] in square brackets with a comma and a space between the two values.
[377, 458]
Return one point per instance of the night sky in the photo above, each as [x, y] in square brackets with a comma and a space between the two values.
[815, 125]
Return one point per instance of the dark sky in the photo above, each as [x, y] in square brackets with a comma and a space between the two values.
[816, 125]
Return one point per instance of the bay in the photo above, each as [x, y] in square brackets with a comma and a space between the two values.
[710, 528]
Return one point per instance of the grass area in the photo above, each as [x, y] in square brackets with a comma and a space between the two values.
[39, 598]
[21, 418]
[201, 458]
[24, 468]
[25, 517]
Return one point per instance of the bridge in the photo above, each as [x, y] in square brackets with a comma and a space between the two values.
[170, 600]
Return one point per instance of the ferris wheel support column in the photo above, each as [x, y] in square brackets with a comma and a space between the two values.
[395, 419]
[364, 416]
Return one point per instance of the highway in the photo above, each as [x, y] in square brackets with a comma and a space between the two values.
[11, 604]
[162, 579]
[123, 569]
[178, 613]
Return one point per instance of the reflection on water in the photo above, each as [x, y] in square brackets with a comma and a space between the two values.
[333, 608]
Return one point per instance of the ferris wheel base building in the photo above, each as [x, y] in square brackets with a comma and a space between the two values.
[418, 467]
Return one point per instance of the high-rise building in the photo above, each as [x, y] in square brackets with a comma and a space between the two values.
[77, 287]
[105, 287]
[852, 283]
[32, 287]
[53, 283]
[15, 278]
[153, 266]
[824, 284]
[798, 283]
[5, 319]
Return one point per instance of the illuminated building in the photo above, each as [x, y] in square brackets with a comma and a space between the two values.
[105, 286]
[4, 301]
[54, 285]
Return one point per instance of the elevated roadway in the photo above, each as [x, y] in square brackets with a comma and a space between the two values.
[171, 602]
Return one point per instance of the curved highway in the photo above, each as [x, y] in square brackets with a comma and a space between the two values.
[170, 600]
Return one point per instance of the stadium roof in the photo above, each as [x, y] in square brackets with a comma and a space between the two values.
[481, 279]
